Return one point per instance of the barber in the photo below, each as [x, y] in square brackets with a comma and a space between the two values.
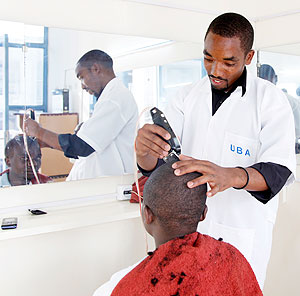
[238, 131]
[104, 143]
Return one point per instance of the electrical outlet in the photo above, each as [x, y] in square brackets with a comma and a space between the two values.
[124, 192]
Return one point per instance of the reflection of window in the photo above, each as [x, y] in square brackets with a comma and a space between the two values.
[176, 75]
[286, 68]
[23, 74]
[126, 77]
[143, 85]
[154, 86]
[23, 69]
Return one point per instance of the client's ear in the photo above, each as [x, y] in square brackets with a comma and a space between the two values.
[204, 213]
[148, 215]
[7, 161]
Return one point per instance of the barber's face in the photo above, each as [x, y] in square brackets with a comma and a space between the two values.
[90, 79]
[224, 60]
[19, 162]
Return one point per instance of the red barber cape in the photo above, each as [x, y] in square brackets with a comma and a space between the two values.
[196, 264]
[134, 197]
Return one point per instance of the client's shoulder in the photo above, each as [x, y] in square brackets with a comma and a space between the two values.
[219, 247]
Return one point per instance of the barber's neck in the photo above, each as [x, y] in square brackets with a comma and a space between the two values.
[109, 75]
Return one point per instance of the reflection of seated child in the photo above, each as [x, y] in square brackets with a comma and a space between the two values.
[185, 261]
[20, 171]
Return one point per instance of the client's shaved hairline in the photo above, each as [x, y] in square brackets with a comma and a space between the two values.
[18, 141]
[169, 198]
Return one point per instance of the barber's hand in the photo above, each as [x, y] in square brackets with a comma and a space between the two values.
[31, 127]
[43, 144]
[218, 178]
[148, 141]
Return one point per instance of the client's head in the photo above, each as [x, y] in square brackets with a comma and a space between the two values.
[17, 160]
[170, 208]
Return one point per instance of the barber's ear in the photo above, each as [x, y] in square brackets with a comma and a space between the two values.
[249, 57]
[148, 215]
[203, 216]
[96, 68]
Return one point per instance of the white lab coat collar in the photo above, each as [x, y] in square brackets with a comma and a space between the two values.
[237, 93]
[108, 87]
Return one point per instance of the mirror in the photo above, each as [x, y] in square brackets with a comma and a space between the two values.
[285, 61]
[37, 71]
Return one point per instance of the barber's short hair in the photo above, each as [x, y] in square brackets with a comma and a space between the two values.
[96, 56]
[18, 141]
[171, 201]
[231, 25]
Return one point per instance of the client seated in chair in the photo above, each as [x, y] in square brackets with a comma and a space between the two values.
[185, 262]
[19, 170]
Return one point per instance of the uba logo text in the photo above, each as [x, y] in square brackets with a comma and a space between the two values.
[239, 150]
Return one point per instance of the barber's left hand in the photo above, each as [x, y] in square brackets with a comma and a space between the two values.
[218, 178]
[31, 127]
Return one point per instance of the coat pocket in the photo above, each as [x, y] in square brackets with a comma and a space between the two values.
[238, 150]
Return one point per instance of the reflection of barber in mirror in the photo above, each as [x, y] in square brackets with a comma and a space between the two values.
[185, 262]
[104, 143]
[238, 131]
[20, 171]
[267, 72]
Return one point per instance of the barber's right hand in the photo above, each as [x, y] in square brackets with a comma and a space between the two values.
[149, 143]
[31, 127]
[43, 144]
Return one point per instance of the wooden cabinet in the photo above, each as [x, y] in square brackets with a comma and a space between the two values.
[54, 163]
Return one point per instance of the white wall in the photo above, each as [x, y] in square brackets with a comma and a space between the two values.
[86, 236]
[110, 16]
[284, 267]
[274, 21]
[73, 262]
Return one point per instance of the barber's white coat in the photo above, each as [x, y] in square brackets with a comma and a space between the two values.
[110, 131]
[256, 127]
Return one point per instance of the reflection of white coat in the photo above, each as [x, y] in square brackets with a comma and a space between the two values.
[110, 131]
[256, 127]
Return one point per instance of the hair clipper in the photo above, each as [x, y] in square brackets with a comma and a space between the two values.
[159, 119]
[32, 115]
